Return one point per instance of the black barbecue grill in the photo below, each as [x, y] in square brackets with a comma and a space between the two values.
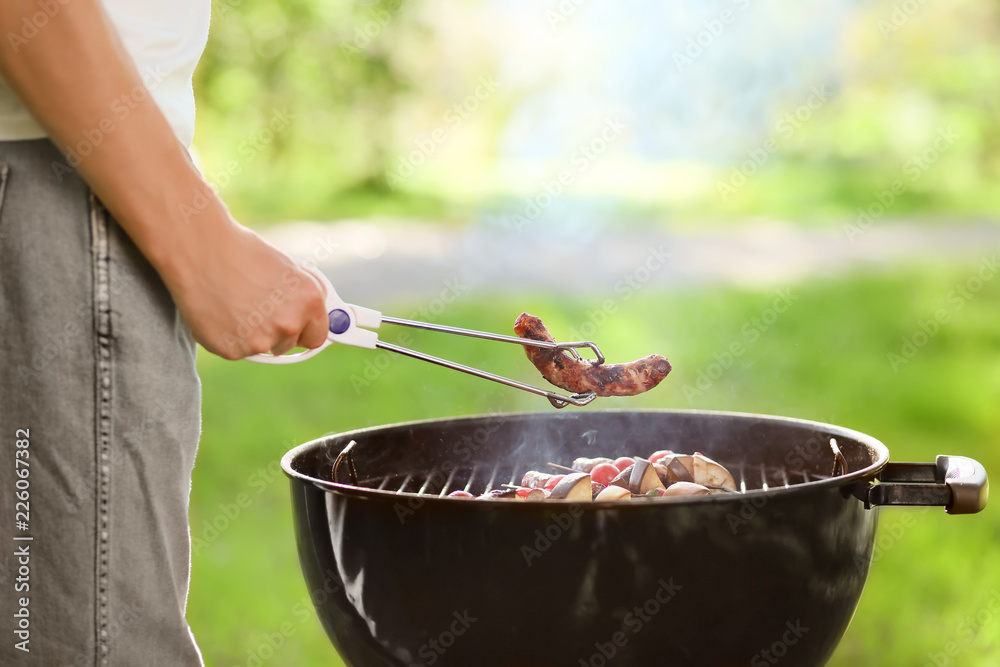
[411, 577]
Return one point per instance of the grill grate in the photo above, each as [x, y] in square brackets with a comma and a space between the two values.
[756, 450]
[479, 478]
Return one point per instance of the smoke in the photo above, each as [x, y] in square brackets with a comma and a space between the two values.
[695, 79]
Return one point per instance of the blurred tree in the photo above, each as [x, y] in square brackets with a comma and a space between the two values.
[918, 106]
[306, 106]
[296, 100]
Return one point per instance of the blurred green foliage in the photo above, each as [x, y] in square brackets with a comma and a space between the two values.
[364, 81]
[908, 77]
[826, 358]
[330, 67]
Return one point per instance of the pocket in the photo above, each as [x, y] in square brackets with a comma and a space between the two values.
[4, 171]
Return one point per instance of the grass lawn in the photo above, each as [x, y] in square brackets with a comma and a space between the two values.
[827, 357]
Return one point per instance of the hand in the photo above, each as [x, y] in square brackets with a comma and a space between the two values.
[244, 297]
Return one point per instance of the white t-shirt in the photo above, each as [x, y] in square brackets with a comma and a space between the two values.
[165, 38]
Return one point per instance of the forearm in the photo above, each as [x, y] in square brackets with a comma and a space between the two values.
[79, 82]
[76, 78]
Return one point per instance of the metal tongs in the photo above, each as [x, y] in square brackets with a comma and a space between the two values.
[350, 325]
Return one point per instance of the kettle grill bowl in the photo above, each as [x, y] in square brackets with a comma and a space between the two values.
[400, 579]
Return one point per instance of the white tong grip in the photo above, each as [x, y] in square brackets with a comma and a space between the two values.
[351, 332]
[355, 335]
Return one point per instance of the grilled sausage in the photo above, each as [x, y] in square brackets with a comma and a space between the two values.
[580, 375]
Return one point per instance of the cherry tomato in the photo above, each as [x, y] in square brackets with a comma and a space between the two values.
[604, 473]
[551, 484]
[458, 493]
[659, 455]
[623, 462]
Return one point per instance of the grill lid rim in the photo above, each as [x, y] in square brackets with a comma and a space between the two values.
[862, 476]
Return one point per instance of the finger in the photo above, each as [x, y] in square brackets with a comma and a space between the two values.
[316, 281]
[284, 345]
[317, 326]
[315, 332]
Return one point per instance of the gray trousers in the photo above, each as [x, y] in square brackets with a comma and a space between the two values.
[99, 425]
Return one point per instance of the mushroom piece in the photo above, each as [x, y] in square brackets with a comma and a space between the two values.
[663, 473]
[675, 468]
[573, 486]
[686, 489]
[685, 460]
[622, 479]
[643, 478]
[614, 493]
[709, 473]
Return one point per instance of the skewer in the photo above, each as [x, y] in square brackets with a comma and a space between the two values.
[346, 455]
[839, 461]
[560, 467]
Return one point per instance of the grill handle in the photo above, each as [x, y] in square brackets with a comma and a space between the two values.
[956, 482]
